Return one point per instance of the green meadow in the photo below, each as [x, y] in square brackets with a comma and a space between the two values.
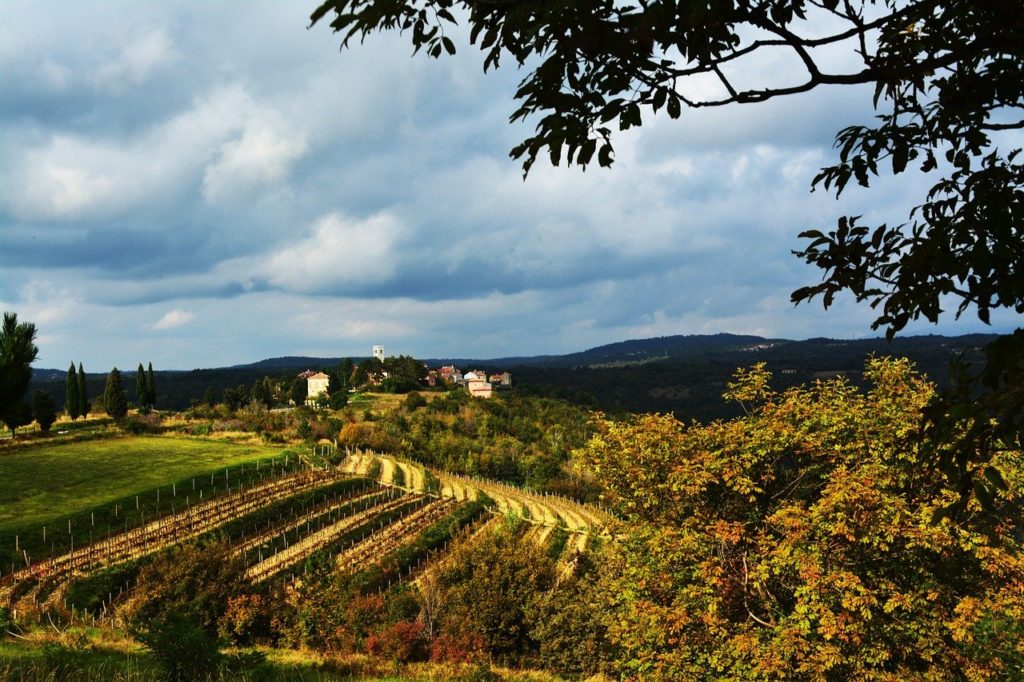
[84, 482]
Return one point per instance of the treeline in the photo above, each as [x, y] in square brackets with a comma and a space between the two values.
[691, 386]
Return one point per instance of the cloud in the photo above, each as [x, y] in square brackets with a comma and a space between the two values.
[338, 252]
[225, 141]
[138, 56]
[174, 318]
[261, 155]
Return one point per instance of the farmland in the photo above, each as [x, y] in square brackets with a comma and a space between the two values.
[83, 482]
[79, 544]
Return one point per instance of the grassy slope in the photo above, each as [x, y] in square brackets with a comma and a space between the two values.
[41, 485]
[107, 655]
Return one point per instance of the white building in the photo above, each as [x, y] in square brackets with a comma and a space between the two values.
[378, 352]
[478, 386]
[316, 385]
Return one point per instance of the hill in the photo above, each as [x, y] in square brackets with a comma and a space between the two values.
[681, 374]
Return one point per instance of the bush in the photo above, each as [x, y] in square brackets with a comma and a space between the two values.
[414, 401]
[456, 648]
[182, 646]
[204, 429]
[43, 410]
[402, 642]
[811, 538]
[142, 423]
[247, 619]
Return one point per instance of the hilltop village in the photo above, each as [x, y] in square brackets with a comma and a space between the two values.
[399, 374]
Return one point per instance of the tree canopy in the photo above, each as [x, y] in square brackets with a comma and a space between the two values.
[801, 541]
[17, 353]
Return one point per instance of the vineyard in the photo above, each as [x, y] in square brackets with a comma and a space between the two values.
[279, 517]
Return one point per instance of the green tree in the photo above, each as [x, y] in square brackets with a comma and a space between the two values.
[235, 397]
[150, 386]
[948, 81]
[83, 395]
[801, 541]
[345, 374]
[72, 405]
[298, 391]
[17, 353]
[141, 388]
[261, 392]
[19, 414]
[44, 410]
[115, 400]
[338, 400]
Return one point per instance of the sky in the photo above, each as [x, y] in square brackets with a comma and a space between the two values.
[197, 185]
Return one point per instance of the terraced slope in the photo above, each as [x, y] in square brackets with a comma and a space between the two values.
[545, 510]
[403, 519]
[188, 523]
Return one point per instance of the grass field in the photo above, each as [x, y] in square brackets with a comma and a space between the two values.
[48, 484]
[95, 654]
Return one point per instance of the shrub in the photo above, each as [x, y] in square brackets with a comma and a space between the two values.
[460, 647]
[142, 423]
[402, 642]
[414, 401]
[182, 646]
[247, 619]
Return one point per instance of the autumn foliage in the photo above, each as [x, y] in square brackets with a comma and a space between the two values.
[806, 540]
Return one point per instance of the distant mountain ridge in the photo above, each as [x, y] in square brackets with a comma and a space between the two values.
[630, 351]
[685, 374]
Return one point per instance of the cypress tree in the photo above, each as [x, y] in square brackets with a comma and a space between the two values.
[151, 387]
[83, 395]
[141, 390]
[115, 400]
[73, 403]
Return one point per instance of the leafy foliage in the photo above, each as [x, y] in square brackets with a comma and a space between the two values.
[43, 410]
[197, 581]
[801, 541]
[183, 649]
[487, 587]
[523, 440]
[17, 353]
